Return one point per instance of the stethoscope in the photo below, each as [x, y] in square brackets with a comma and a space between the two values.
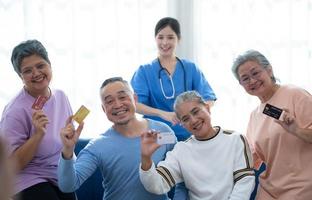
[170, 78]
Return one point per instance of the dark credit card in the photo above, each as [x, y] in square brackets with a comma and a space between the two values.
[272, 111]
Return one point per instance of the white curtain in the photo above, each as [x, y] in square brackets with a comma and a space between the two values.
[89, 41]
[280, 29]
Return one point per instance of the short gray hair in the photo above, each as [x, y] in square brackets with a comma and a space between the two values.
[113, 80]
[251, 55]
[188, 96]
[116, 79]
[25, 49]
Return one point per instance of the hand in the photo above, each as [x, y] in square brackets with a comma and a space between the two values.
[40, 121]
[148, 147]
[149, 143]
[288, 122]
[69, 137]
[170, 116]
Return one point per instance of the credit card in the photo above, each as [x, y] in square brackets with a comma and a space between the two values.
[81, 114]
[273, 111]
[39, 102]
[166, 138]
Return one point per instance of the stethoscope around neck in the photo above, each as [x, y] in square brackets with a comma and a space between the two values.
[172, 96]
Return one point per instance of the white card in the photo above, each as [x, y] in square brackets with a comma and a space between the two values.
[166, 138]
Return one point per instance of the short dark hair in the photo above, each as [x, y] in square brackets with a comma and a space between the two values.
[25, 49]
[112, 80]
[168, 21]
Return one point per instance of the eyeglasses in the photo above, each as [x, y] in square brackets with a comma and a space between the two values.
[255, 74]
[28, 71]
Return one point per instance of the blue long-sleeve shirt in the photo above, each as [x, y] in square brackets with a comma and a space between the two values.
[118, 158]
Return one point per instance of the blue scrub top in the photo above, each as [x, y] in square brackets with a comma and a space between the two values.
[146, 85]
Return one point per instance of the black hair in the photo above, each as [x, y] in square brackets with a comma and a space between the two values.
[168, 21]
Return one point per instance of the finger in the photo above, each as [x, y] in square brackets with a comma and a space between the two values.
[283, 124]
[69, 120]
[286, 110]
[63, 133]
[79, 129]
[44, 123]
[42, 118]
[149, 133]
[145, 134]
[142, 136]
[154, 134]
[38, 114]
[68, 134]
[174, 122]
[34, 115]
[68, 129]
[177, 120]
[171, 121]
[289, 120]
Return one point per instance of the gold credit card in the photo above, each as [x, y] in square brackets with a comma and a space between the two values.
[81, 114]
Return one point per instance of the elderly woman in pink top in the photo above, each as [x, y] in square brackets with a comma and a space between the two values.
[32, 133]
[284, 145]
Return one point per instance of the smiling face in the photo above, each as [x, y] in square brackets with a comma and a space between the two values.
[195, 117]
[36, 75]
[167, 41]
[118, 102]
[255, 79]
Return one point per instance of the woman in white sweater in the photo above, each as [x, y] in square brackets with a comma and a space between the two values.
[213, 163]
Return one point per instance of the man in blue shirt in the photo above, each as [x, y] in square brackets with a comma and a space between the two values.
[116, 152]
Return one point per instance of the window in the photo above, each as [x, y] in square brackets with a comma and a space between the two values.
[89, 41]
[281, 30]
